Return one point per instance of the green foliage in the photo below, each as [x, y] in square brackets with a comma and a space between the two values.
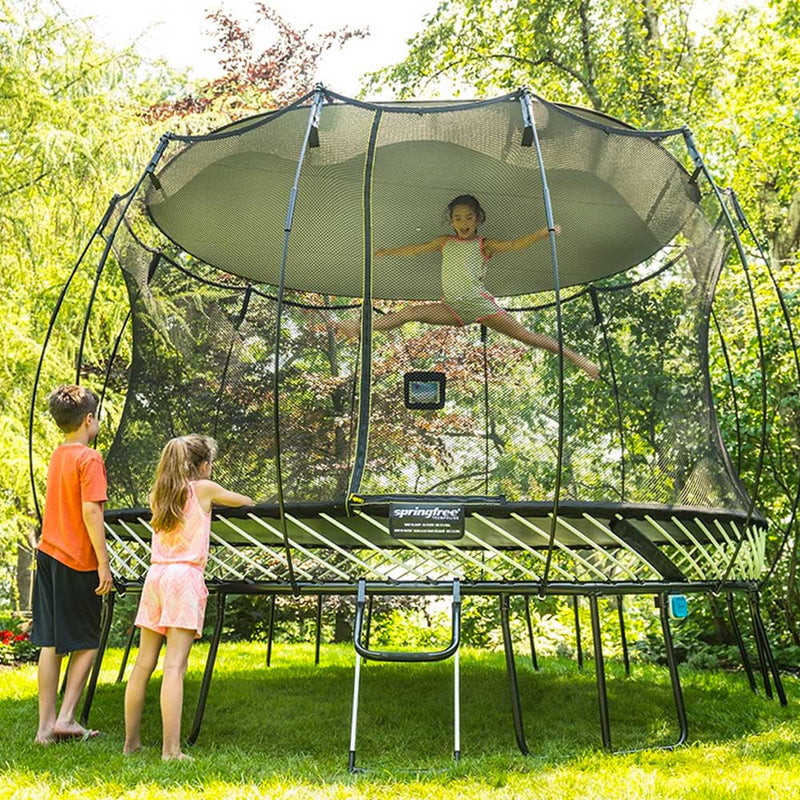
[282, 732]
[71, 136]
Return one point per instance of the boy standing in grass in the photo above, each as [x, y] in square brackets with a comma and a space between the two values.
[72, 569]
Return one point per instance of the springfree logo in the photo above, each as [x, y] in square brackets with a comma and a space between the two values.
[426, 520]
[428, 512]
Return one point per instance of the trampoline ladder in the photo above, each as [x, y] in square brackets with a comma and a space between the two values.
[364, 652]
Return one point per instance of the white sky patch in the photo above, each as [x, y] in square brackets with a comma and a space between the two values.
[177, 30]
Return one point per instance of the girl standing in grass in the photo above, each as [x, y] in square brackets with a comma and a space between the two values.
[173, 603]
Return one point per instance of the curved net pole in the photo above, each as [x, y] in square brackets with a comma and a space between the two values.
[313, 122]
[793, 341]
[701, 165]
[365, 350]
[224, 379]
[151, 269]
[111, 359]
[729, 369]
[51, 325]
[148, 170]
[601, 321]
[530, 136]
[87, 316]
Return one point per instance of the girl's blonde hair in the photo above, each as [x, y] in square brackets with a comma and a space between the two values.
[180, 463]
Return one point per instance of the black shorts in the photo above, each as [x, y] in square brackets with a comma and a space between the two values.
[66, 611]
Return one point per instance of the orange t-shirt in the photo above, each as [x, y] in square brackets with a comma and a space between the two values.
[76, 475]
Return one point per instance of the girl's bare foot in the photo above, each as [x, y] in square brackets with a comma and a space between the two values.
[176, 757]
[130, 749]
[44, 737]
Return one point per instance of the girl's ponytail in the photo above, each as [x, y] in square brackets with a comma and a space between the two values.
[181, 460]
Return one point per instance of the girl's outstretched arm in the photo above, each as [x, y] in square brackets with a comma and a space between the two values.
[414, 249]
[209, 492]
[492, 246]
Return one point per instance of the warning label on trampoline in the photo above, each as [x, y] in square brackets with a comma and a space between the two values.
[426, 520]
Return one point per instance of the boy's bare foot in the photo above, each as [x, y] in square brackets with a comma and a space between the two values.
[130, 749]
[176, 757]
[44, 737]
[74, 731]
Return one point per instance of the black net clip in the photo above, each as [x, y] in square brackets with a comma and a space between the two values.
[694, 154]
[738, 210]
[527, 118]
[151, 167]
[598, 313]
[313, 134]
[154, 262]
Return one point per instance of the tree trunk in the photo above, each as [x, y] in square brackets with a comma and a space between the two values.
[25, 554]
[342, 627]
[723, 634]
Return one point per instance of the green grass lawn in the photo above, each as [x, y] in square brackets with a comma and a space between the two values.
[284, 732]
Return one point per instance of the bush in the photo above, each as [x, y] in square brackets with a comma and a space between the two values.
[15, 643]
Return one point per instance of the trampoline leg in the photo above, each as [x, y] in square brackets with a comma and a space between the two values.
[534, 660]
[672, 663]
[600, 672]
[578, 644]
[319, 630]
[209, 670]
[354, 718]
[751, 678]
[623, 637]
[127, 652]
[63, 687]
[511, 671]
[773, 666]
[762, 656]
[457, 706]
[105, 627]
[271, 628]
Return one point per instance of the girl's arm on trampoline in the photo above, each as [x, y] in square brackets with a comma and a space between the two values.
[209, 492]
[492, 246]
[414, 249]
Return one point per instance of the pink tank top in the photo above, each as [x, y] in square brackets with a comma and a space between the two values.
[188, 543]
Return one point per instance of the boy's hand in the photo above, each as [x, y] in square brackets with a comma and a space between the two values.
[106, 582]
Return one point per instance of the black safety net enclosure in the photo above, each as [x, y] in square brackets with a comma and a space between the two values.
[433, 458]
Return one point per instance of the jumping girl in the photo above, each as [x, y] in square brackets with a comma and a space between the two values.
[174, 594]
[465, 297]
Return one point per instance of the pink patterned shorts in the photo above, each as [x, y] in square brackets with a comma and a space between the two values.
[173, 596]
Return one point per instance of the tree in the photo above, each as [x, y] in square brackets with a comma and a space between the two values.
[70, 137]
[253, 82]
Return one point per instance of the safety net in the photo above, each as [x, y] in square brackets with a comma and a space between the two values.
[258, 292]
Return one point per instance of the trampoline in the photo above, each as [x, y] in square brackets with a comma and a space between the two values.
[238, 257]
